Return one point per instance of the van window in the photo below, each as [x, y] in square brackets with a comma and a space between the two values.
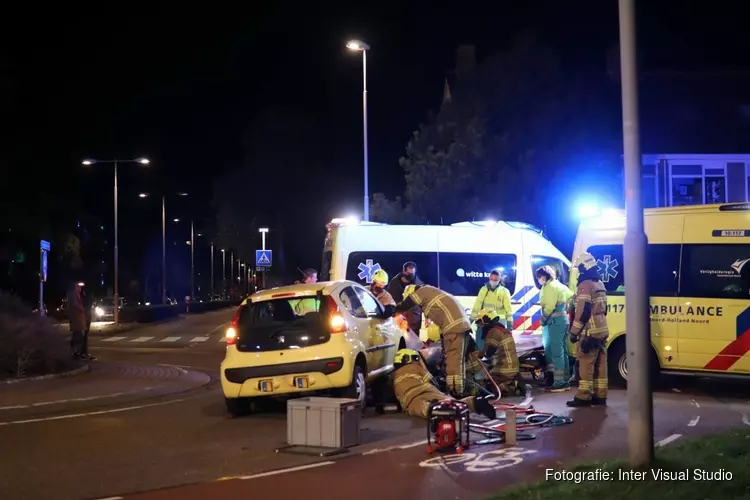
[662, 266]
[561, 268]
[465, 273]
[361, 265]
[325, 267]
[715, 271]
[609, 259]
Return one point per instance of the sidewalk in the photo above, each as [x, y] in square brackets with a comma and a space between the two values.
[104, 383]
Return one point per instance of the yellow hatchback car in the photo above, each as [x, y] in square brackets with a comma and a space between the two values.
[328, 336]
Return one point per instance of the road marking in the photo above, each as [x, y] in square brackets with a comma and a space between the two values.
[142, 339]
[113, 339]
[666, 441]
[74, 400]
[199, 339]
[396, 447]
[745, 419]
[481, 462]
[284, 471]
[111, 498]
[675, 390]
[219, 327]
[222, 339]
[90, 414]
[694, 422]
[170, 339]
[695, 403]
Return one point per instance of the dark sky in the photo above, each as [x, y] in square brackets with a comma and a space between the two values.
[188, 88]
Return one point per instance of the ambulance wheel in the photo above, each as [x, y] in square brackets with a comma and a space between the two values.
[617, 359]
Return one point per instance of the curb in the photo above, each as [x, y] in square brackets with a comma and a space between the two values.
[69, 373]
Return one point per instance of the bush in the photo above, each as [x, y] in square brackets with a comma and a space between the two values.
[30, 344]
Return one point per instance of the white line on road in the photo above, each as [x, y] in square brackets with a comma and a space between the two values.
[666, 441]
[745, 419]
[74, 400]
[142, 339]
[222, 339]
[218, 327]
[396, 447]
[284, 471]
[90, 414]
[675, 390]
[199, 339]
[170, 339]
[113, 339]
[695, 403]
[694, 422]
[111, 498]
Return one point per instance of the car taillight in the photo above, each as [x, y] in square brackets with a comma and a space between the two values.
[337, 321]
[232, 331]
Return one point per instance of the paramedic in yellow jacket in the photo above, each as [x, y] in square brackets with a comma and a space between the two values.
[499, 347]
[307, 305]
[590, 331]
[493, 295]
[416, 390]
[553, 298]
[447, 313]
[377, 287]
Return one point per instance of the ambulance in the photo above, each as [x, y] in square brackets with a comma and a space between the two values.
[457, 259]
[698, 281]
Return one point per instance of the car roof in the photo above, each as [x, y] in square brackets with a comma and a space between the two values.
[301, 290]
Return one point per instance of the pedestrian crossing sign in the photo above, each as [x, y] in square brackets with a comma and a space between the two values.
[263, 258]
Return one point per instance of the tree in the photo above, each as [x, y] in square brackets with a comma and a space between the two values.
[501, 145]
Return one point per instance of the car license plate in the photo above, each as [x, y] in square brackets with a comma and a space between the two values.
[266, 385]
[301, 383]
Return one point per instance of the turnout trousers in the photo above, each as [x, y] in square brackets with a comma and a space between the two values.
[454, 353]
[554, 337]
[592, 369]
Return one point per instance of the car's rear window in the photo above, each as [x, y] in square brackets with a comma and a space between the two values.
[284, 323]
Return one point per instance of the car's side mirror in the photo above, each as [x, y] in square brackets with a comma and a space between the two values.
[388, 312]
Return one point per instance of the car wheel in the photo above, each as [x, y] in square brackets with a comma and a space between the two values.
[239, 407]
[358, 388]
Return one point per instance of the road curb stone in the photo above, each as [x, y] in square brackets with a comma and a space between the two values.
[70, 373]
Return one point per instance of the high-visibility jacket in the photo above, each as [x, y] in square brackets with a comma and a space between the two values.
[306, 305]
[497, 299]
[554, 298]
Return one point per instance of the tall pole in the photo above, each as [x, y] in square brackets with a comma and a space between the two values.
[223, 271]
[192, 260]
[263, 247]
[212, 270]
[231, 273]
[364, 128]
[640, 399]
[163, 250]
[117, 262]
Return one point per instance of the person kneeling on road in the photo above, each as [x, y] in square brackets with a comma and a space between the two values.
[499, 348]
[416, 390]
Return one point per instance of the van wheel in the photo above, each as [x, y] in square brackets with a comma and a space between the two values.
[358, 388]
[239, 407]
[617, 360]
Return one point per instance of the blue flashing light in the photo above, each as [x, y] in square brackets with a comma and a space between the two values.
[588, 210]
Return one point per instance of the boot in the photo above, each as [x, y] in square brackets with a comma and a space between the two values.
[484, 408]
[598, 401]
[578, 403]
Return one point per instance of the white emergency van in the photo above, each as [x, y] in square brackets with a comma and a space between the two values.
[457, 259]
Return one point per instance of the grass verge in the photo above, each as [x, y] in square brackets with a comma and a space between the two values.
[728, 451]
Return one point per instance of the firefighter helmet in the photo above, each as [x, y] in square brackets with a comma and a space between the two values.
[380, 276]
[585, 262]
[409, 290]
[488, 316]
[404, 357]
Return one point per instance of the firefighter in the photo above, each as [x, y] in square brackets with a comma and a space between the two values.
[493, 295]
[589, 330]
[397, 287]
[416, 390]
[377, 287]
[448, 315]
[500, 349]
[553, 298]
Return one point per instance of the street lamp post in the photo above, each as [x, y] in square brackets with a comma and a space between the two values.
[212, 270]
[192, 260]
[359, 45]
[223, 271]
[263, 231]
[231, 272]
[116, 288]
[640, 398]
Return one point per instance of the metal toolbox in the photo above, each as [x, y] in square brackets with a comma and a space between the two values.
[323, 422]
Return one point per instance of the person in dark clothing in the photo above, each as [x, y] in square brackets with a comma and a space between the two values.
[76, 319]
[87, 306]
[407, 276]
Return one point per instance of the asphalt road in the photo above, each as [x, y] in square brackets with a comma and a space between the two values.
[183, 445]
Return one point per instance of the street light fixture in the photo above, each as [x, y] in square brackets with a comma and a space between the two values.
[89, 162]
[359, 45]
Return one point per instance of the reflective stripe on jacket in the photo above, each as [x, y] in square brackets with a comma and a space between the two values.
[553, 298]
[441, 308]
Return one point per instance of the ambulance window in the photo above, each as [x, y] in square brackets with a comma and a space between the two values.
[561, 269]
[465, 273]
[361, 265]
[325, 268]
[609, 259]
[715, 271]
[662, 266]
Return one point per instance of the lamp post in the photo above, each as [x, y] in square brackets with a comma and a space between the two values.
[223, 271]
[263, 231]
[358, 45]
[231, 272]
[163, 242]
[192, 260]
[116, 289]
[212, 270]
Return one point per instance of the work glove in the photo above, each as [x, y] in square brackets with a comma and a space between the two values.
[574, 338]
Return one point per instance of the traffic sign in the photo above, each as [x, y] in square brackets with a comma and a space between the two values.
[263, 258]
[44, 245]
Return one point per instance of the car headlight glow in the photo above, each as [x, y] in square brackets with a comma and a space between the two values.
[99, 311]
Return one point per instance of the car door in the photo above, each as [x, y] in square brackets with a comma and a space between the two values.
[361, 329]
[383, 331]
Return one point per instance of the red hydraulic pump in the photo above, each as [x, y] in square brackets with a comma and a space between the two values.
[448, 426]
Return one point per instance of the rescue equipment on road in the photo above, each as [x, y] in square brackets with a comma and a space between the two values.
[448, 426]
